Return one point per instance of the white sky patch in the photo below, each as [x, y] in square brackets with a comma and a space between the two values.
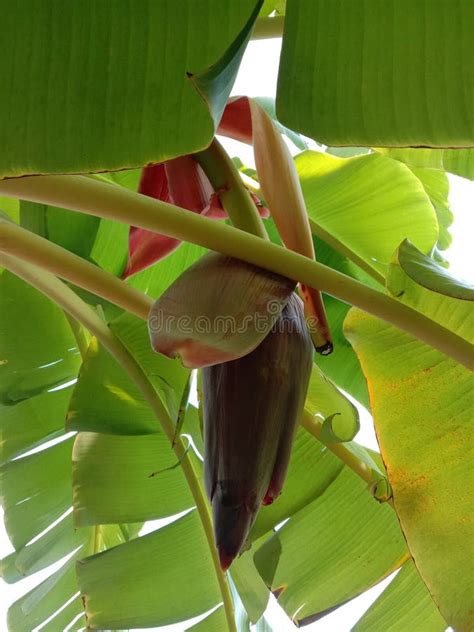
[366, 435]
[155, 525]
[189, 438]
[45, 445]
[62, 386]
[461, 252]
[45, 366]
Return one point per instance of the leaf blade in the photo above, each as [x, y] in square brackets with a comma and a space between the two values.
[405, 603]
[131, 600]
[333, 549]
[82, 74]
[377, 86]
[425, 492]
[426, 272]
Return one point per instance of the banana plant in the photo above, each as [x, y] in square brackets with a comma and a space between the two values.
[186, 342]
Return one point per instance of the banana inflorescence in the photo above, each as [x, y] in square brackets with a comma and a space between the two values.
[251, 409]
[246, 330]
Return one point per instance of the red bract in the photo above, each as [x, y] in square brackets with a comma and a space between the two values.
[181, 182]
[236, 122]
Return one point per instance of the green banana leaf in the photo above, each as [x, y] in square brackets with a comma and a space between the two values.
[405, 605]
[101, 241]
[426, 441]
[367, 205]
[142, 583]
[312, 469]
[332, 550]
[457, 161]
[215, 622]
[430, 274]
[251, 589]
[395, 73]
[10, 207]
[126, 479]
[436, 185]
[341, 417]
[345, 206]
[35, 364]
[111, 473]
[273, 5]
[343, 366]
[35, 457]
[56, 603]
[94, 87]
[36, 491]
[78, 500]
[115, 405]
[156, 279]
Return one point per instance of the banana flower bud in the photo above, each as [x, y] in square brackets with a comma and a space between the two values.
[251, 409]
[246, 326]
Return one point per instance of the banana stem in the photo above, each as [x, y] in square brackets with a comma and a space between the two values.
[39, 251]
[63, 296]
[232, 192]
[88, 195]
[362, 469]
[266, 28]
[183, 407]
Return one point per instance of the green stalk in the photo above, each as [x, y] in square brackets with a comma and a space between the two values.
[39, 251]
[79, 334]
[183, 407]
[65, 298]
[314, 427]
[359, 467]
[232, 192]
[266, 28]
[90, 196]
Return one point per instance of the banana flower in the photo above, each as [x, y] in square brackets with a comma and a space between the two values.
[245, 328]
